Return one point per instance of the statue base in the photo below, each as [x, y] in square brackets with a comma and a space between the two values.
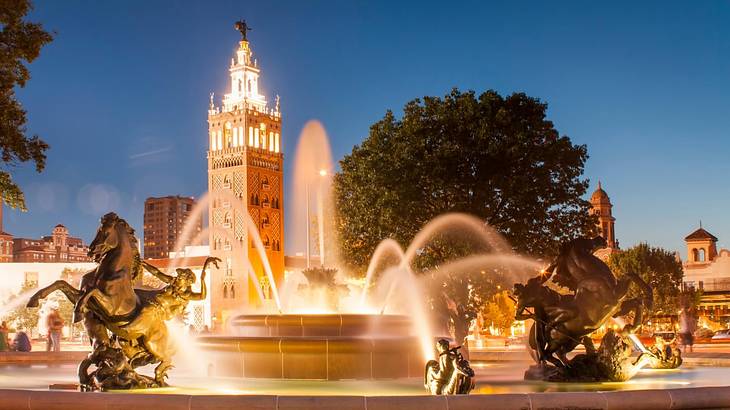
[611, 362]
[113, 372]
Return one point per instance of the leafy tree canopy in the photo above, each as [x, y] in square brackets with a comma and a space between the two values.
[20, 44]
[660, 268]
[495, 157]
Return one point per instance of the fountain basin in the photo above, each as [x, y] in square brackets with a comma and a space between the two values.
[316, 347]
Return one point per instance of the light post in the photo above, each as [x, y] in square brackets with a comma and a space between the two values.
[320, 215]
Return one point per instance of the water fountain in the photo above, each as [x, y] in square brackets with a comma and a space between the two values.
[369, 352]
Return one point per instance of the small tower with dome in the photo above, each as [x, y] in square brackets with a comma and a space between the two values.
[601, 204]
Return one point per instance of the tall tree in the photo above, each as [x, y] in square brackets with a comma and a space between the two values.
[660, 268]
[23, 317]
[495, 157]
[20, 44]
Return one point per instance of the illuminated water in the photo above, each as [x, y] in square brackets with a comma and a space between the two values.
[503, 377]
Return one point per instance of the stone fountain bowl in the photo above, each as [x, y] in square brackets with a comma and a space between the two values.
[316, 347]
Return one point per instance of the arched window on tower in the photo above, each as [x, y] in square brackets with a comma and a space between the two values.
[695, 255]
[265, 201]
[233, 292]
[250, 86]
[267, 242]
[240, 85]
[701, 255]
[228, 136]
[225, 291]
[227, 220]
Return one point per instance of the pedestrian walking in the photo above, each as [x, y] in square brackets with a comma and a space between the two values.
[54, 324]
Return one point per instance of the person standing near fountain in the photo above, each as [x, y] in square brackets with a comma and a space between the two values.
[687, 327]
[4, 344]
[54, 324]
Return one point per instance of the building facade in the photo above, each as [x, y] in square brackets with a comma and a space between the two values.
[246, 190]
[603, 210]
[57, 247]
[6, 241]
[164, 221]
[708, 269]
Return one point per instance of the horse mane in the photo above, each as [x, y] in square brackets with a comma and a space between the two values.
[112, 217]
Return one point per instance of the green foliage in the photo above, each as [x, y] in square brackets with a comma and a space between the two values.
[20, 44]
[495, 157]
[23, 317]
[499, 312]
[659, 267]
[457, 298]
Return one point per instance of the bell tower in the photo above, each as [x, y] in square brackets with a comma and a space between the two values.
[601, 204]
[701, 246]
[245, 175]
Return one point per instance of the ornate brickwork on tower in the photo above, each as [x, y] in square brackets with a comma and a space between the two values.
[602, 207]
[245, 174]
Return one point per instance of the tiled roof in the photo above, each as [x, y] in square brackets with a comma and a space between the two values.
[700, 234]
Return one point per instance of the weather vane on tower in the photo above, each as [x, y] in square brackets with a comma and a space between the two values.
[243, 28]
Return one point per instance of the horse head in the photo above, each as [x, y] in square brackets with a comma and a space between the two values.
[113, 233]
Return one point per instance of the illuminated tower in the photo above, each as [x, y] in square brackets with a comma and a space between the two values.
[244, 175]
[602, 209]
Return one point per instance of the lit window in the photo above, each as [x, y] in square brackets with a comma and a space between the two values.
[276, 142]
[250, 136]
[212, 142]
[219, 144]
[241, 139]
[256, 138]
[235, 137]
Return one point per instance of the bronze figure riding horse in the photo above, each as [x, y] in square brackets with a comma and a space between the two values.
[106, 299]
[562, 322]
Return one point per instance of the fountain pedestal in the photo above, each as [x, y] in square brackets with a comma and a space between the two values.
[316, 347]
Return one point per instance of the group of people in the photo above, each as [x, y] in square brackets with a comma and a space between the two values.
[21, 340]
[20, 343]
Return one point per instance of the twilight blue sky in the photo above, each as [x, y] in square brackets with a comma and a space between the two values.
[121, 94]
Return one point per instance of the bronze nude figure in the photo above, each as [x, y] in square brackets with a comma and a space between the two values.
[126, 325]
[450, 374]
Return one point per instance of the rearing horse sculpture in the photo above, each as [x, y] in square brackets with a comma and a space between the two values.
[562, 322]
[106, 300]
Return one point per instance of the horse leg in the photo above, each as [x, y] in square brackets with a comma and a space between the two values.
[100, 298]
[96, 331]
[632, 305]
[156, 344]
[588, 344]
[71, 293]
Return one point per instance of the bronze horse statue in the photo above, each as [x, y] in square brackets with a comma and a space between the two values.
[562, 322]
[106, 299]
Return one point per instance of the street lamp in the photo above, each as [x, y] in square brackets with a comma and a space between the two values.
[320, 215]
